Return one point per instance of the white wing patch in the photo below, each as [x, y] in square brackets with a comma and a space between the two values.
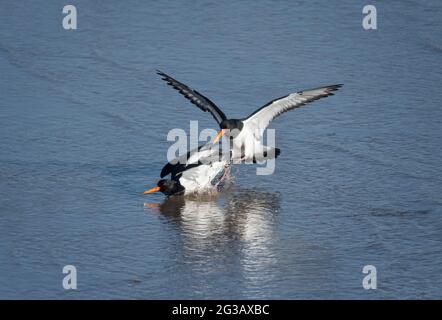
[261, 118]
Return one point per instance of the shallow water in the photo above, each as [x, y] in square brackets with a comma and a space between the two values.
[84, 121]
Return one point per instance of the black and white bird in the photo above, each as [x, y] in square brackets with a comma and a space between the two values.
[246, 133]
[203, 170]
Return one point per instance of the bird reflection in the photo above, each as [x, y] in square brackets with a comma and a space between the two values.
[243, 213]
[235, 226]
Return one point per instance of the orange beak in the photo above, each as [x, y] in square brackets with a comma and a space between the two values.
[220, 134]
[151, 190]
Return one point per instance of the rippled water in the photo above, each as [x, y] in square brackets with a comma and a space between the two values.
[84, 121]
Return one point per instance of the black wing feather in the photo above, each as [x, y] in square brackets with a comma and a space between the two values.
[194, 97]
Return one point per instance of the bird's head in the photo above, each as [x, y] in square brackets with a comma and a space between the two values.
[230, 128]
[168, 187]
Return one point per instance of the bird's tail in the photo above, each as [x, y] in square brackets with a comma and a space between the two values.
[266, 154]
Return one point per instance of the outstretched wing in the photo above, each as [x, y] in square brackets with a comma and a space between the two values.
[195, 97]
[260, 119]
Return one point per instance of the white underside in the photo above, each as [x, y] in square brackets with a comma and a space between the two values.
[249, 142]
[199, 179]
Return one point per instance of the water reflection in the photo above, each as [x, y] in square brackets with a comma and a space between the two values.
[234, 227]
[238, 213]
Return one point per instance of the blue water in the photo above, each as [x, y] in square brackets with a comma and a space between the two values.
[84, 121]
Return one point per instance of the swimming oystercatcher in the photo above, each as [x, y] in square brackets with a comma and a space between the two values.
[202, 170]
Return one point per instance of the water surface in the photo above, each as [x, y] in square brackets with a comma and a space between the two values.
[84, 121]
